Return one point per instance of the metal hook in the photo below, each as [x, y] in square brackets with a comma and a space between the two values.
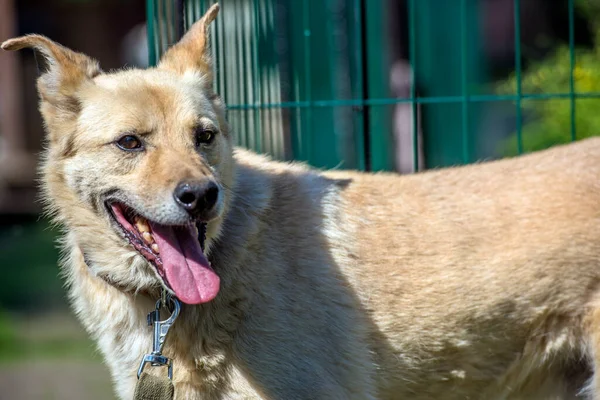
[161, 328]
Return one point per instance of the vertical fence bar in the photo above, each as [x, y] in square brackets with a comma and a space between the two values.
[167, 25]
[306, 128]
[519, 116]
[412, 43]
[270, 20]
[214, 48]
[243, 22]
[330, 69]
[255, 74]
[377, 86]
[179, 18]
[186, 15]
[172, 17]
[229, 67]
[572, 68]
[150, 23]
[239, 69]
[191, 13]
[221, 55]
[362, 124]
[159, 26]
[263, 78]
[266, 124]
[294, 76]
[266, 81]
[464, 82]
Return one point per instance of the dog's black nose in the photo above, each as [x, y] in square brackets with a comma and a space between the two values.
[197, 198]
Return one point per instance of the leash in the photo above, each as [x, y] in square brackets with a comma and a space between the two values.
[151, 387]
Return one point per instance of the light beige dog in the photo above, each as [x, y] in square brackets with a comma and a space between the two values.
[480, 282]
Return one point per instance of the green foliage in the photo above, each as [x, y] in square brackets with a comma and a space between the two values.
[37, 337]
[8, 337]
[34, 321]
[28, 257]
[549, 122]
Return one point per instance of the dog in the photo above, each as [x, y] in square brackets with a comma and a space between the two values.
[473, 282]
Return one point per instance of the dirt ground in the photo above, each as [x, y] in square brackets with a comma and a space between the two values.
[52, 358]
[55, 380]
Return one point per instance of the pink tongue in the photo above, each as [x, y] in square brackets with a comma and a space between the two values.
[187, 270]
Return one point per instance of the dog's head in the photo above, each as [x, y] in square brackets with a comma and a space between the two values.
[139, 163]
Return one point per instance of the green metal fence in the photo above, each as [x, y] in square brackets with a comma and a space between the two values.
[309, 79]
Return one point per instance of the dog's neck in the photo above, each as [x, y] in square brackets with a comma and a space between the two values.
[203, 334]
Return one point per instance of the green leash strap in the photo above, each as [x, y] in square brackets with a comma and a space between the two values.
[150, 387]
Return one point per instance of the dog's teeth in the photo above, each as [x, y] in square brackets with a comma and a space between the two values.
[155, 248]
[147, 236]
[141, 224]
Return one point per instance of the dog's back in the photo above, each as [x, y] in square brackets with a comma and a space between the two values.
[484, 278]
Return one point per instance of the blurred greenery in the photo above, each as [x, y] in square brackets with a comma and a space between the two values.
[28, 257]
[8, 336]
[40, 339]
[43, 336]
[548, 122]
[34, 318]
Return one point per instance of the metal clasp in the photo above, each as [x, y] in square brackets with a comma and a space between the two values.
[161, 328]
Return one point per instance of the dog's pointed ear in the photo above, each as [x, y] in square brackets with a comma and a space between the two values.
[192, 52]
[59, 85]
[66, 69]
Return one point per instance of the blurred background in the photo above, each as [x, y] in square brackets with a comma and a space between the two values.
[44, 352]
[400, 85]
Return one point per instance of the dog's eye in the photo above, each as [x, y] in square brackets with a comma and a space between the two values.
[130, 143]
[204, 136]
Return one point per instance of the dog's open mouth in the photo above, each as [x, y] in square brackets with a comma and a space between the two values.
[175, 252]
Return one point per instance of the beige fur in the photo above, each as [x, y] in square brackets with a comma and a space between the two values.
[479, 282]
